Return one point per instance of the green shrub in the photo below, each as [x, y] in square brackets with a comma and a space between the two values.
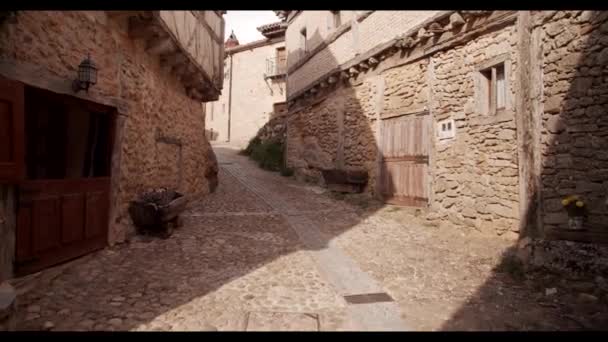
[253, 144]
[268, 155]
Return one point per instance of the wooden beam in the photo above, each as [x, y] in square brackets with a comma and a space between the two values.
[161, 46]
[118, 15]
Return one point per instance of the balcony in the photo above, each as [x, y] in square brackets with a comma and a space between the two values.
[275, 68]
[189, 44]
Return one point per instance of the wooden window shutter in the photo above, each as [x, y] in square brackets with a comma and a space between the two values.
[12, 134]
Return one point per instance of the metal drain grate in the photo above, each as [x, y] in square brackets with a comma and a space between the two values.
[367, 298]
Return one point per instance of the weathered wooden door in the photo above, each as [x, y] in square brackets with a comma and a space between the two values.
[404, 145]
[63, 199]
[59, 220]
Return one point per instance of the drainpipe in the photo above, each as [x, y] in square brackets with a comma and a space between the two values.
[229, 99]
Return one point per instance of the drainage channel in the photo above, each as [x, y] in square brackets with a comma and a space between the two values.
[369, 307]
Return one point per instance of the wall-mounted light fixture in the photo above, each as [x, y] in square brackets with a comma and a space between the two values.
[87, 75]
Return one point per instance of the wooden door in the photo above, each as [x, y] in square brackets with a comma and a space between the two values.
[63, 210]
[404, 145]
[59, 220]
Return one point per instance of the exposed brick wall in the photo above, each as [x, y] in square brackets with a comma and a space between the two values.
[377, 28]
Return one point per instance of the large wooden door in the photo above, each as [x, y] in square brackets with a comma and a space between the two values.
[59, 220]
[404, 145]
[63, 200]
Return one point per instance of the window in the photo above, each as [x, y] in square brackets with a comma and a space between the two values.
[493, 87]
[303, 47]
[446, 129]
[281, 67]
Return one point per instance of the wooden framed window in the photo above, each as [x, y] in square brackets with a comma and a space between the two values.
[12, 131]
[281, 58]
[493, 89]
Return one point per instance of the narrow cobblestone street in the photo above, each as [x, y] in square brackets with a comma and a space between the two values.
[265, 252]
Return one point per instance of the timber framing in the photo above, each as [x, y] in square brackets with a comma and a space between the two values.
[411, 46]
[160, 41]
[254, 45]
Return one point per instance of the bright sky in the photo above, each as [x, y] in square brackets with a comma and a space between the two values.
[244, 24]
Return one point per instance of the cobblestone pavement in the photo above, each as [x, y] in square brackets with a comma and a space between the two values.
[234, 265]
[265, 252]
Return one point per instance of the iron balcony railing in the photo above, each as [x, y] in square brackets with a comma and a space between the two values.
[275, 67]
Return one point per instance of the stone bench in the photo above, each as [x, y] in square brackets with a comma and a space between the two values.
[8, 307]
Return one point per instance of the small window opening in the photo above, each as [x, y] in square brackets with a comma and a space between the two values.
[446, 129]
[494, 89]
[337, 17]
[303, 42]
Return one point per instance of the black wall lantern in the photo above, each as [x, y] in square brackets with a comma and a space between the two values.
[87, 75]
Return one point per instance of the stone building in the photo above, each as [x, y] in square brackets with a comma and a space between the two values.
[71, 159]
[486, 118]
[254, 92]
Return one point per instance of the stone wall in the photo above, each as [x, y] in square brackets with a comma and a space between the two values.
[475, 175]
[574, 121]
[378, 27]
[52, 44]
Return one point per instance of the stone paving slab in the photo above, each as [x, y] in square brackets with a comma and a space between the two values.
[346, 277]
[282, 321]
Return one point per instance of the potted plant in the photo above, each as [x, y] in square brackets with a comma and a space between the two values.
[577, 211]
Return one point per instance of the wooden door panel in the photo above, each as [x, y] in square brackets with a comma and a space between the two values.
[46, 228]
[6, 131]
[72, 216]
[404, 146]
[96, 222]
[12, 161]
[24, 232]
[59, 220]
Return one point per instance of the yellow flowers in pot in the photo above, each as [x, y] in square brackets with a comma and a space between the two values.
[573, 200]
[576, 209]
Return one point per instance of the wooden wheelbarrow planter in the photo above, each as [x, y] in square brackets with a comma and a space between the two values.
[348, 181]
[154, 218]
